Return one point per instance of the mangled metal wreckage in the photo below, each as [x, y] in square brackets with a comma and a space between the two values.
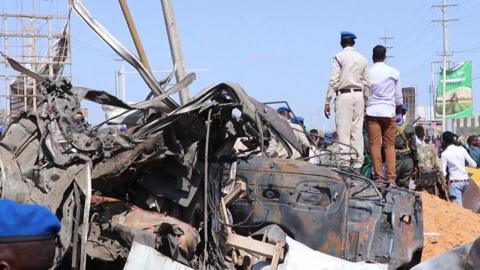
[148, 186]
[200, 185]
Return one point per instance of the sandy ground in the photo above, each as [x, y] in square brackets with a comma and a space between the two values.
[446, 225]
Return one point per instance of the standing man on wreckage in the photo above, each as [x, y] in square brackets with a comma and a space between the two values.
[349, 82]
[385, 99]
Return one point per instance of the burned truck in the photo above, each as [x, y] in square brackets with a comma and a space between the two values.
[165, 184]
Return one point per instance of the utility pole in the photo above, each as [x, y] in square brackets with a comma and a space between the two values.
[444, 8]
[123, 94]
[386, 39]
[175, 47]
[121, 90]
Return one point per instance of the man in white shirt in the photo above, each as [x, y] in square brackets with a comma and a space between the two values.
[383, 102]
[453, 159]
[349, 82]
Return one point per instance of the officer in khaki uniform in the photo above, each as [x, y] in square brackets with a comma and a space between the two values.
[349, 82]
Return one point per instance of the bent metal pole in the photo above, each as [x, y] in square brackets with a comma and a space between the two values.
[175, 47]
[134, 33]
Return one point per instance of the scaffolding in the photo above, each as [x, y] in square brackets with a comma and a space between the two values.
[29, 31]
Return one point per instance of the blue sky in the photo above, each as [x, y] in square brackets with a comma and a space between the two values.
[276, 50]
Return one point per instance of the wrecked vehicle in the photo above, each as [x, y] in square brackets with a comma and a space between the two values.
[334, 211]
[111, 190]
[195, 186]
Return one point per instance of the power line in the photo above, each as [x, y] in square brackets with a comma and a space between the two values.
[444, 8]
[412, 28]
[421, 48]
[467, 50]
[420, 36]
[415, 69]
[467, 10]
[90, 47]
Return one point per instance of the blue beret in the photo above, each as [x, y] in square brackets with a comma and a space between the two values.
[283, 109]
[405, 106]
[26, 221]
[297, 120]
[347, 34]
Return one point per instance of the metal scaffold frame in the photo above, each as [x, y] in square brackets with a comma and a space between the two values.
[28, 32]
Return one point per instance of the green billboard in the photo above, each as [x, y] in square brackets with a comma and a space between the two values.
[458, 92]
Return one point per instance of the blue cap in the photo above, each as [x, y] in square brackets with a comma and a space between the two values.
[297, 120]
[283, 109]
[347, 34]
[26, 221]
[405, 106]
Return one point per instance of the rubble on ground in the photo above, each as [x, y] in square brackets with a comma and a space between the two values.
[446, 225]
[464, 257]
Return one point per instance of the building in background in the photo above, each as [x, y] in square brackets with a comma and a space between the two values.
[467, 126]
[425, 112]
[432, 126]
[409, 93]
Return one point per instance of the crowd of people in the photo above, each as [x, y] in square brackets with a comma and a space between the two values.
[376, 138]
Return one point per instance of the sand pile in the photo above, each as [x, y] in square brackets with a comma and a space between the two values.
[446, 225]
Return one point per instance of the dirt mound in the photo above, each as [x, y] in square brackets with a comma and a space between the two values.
[446, 225]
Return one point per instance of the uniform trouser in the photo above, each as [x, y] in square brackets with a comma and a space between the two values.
[427, 181]
[367, 166]
[381, 131]
[349, 109]
[404, 168]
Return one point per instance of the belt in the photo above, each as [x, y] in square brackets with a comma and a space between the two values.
[428, 171]
[459, 181]
[426, 178]
[350, 90]
[404, 155]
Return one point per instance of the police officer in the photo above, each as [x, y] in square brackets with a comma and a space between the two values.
[298, 126]
[28, 236]
[318, 138]
[296, 123]
[285, 113]
[349, 82]
[429, 176]
[333, 147]
[405, 149]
